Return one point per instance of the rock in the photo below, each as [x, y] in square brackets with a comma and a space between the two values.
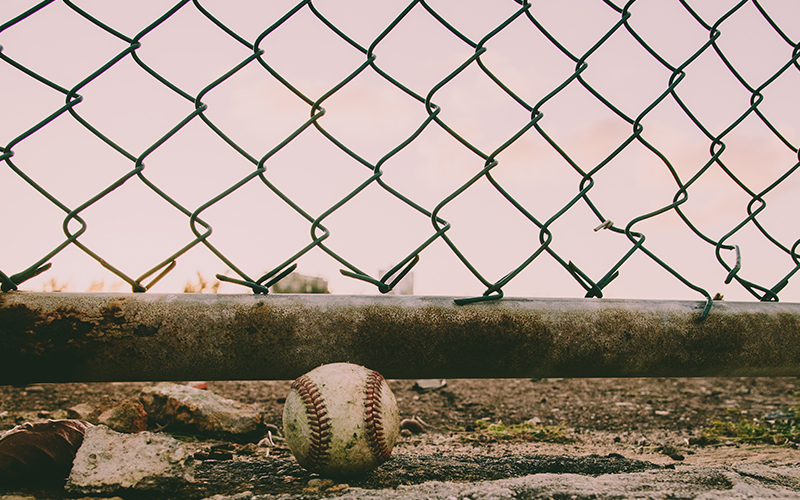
[320, 483]
[412, 425]
[775, 415]
[200, 411]
[82, 411]
[109, 462]
[128, 416]
[429, 385]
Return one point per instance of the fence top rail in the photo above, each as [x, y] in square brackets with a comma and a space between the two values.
[62, 337]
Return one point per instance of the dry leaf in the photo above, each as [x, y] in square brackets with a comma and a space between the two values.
[41, 451]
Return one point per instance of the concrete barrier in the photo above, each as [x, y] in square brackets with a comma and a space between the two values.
[61, 337]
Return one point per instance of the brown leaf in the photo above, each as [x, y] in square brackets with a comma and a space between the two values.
[41, 451]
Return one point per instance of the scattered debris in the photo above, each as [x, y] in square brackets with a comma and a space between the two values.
[413, 425]
[218, 451]
[672, 452]
[83, 411]
[127, 416]
[185, 408]
[429, 385]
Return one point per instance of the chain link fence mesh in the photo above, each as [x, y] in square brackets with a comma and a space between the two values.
[702, 32]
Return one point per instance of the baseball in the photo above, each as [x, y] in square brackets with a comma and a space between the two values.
[340, 420]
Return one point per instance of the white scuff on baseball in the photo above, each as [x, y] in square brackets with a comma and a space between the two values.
[341, 419]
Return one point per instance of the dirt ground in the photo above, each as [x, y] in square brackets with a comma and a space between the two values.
[651, 420]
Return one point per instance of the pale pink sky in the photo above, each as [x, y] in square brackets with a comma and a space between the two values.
[135, 229]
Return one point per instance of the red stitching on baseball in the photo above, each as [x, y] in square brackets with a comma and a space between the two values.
[374, 417]
[318, 420]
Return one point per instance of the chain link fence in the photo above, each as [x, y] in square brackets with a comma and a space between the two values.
[662, 71]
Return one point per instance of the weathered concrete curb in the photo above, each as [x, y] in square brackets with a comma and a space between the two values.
[701, 483]
[61, 337]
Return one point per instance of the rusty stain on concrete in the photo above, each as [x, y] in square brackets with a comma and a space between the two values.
[60, 337]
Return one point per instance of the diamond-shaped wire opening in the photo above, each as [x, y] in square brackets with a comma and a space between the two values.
[248, 18]
[69, 162]
[375, 230]
[131, 108]
[314, 172]
[361, 20]
[164, 50]
[754, 49]
[493, 236]
[255, 110]
[755, 155]
[526, 62]
[781, 106]
[431, 167]
[405, 55]
[27, 100]
[119, 233]
[626, 75]
[583, 127]
[255, 229]
[712, 94]
[128, 18]
[648, 22]
[589, 22]
[472, 100]
[371, 116]
[33, 232]
[60, 45]
[312, 64]
[478, 20]
[190, 175]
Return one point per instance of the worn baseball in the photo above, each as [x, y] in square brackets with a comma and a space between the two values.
[341, 419]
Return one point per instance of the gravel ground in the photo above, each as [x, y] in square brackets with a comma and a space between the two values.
[591, 427]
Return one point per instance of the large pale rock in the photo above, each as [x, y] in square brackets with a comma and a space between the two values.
[109, 462]
[200, 411]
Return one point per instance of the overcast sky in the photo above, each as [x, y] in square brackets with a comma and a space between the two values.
[134, 229]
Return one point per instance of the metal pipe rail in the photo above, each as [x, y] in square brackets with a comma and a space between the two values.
[64, 337]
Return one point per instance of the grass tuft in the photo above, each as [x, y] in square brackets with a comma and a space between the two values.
[780, 431]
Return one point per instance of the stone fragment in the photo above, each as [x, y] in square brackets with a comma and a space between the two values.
[429, 385]
[82, 411]
[127, 416]
[201, 411]
[412, 425]
[109, 462]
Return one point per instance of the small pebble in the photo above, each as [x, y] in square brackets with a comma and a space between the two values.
[411, 425]
[428, 385]
[320, 483]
